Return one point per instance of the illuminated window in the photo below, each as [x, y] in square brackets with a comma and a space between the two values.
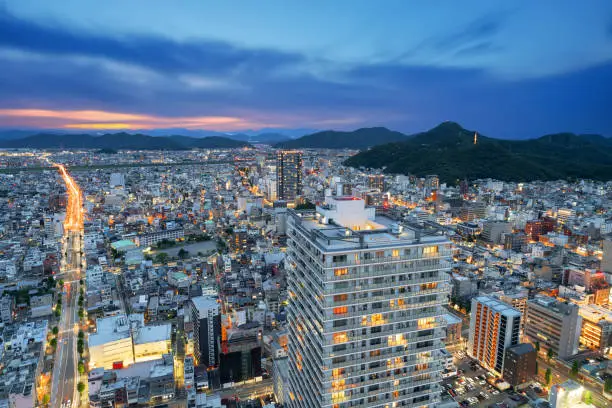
[395, 253]
[341, 298]
[340, 310]
[380, 254]
[426, 323]
[431, 285]
[341, 271]
[430, 250]
[337, 372]
[377, 319]
[341, 337]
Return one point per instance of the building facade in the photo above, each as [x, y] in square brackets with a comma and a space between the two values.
[206, 318]
[289, 169]
[520, 365]
[366, 323]
[494, 327]
[553, 324]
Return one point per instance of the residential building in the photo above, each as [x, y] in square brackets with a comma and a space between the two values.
[566, 395]
[493, 231]
[376, 181]
[494, 327]
[366, 321]
[554, 324]
[289, 174]
[596, 330]
[206, 318]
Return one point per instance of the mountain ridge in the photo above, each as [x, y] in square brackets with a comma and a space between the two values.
[334, 139]
[449, 151]
[121, 140]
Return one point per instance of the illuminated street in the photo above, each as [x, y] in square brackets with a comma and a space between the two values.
[65, 375]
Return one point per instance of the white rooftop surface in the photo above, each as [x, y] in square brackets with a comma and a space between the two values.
[152, 334]
[204, 303]
[109, 330]
[498, 306]
[451, 319]
[142, 369]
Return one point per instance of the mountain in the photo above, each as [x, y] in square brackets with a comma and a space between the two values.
[448, 150]
[119, 141]
[15, 134]
[357, 139]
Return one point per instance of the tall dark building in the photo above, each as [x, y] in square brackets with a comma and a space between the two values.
[206, 318]
[519, 364]
[241, 354]
[289, 174]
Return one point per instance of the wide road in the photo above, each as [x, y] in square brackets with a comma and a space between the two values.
[65, 371]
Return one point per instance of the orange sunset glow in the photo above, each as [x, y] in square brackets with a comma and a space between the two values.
[99, 119]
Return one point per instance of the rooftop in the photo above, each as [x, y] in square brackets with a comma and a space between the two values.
[151, 334]
[498, 306]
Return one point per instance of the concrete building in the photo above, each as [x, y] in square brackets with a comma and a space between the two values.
[606, 260]
[152, 342]
[206, 318]
[493, 231]
[596, 330]
[453, 329]
[494, 327]
[366, 321]
[554, 325]
[517, 300]
[566, 395]
[289, 169]
[111, 345]
[520, 365]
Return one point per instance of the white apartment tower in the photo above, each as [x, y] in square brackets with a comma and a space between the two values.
[365, 310]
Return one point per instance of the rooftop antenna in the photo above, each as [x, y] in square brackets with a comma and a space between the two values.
[475, 137]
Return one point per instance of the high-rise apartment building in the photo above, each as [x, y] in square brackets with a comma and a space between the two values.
[366, 322]
[289, 174]
[554, 324]
[606, 260]
[206, 318]
[494, 327]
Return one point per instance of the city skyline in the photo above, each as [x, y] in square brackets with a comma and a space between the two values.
[505, 70]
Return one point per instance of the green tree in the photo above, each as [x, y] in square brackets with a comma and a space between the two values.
[550, 354]
[536, 367]
[81, 335]
[55, 330]
[575, 368]
[81, 281]
[81, 313]
[80, 387]
[45, 399]
[53, 342]
[81, 368]
[587, 397]
[183, 253]
[161, 258]
[58, 311]
[537, 346]
[608, 384]
[80, 348]
[548, 376]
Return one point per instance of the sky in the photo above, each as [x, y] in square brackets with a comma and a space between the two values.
[507, 69]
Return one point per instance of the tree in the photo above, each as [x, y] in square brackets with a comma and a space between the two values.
[81, 368]
[588, 397]
[81, 335]
[80, 348]
[81, 313]
[55, 330]
[161, 258]
[45, 399]
[536, 367]
[548, 376]
[550, 354]
[575, 368]
[183, 253]
[537, 346]
[608, 384]
[80, 387]
[53, 342]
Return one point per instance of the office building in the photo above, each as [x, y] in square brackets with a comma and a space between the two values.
[606, 260]
[596, 330]
[517, 300]
[494, 327]
[111, 346]
[206, 318]
[493, 231]
[554, 324]
[520, 365]
[289, 174]
[366, 321]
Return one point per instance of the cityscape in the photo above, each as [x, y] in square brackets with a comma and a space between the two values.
[196, 248]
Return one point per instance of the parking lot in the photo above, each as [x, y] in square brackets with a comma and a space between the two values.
[473, 386]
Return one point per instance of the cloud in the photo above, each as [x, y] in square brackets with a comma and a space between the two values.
[477, 32]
